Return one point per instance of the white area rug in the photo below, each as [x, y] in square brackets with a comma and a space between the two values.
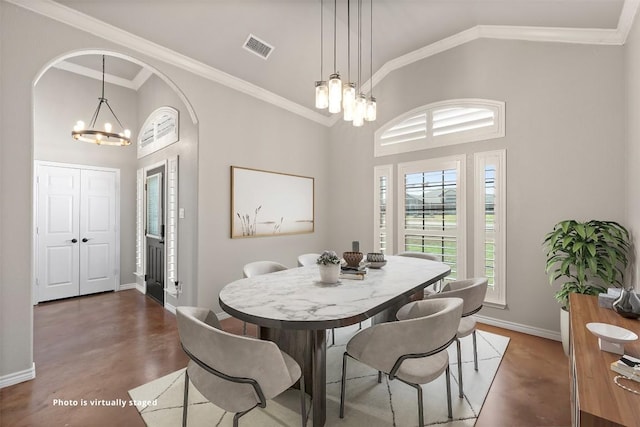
[391, 403]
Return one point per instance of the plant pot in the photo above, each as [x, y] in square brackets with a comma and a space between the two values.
[329, 273]
[564, 330]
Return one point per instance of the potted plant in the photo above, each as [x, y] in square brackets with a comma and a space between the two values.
[329, 267]
[587, 258]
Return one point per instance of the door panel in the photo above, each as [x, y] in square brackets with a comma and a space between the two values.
[97, 231]
[155, 234]
[57, 254]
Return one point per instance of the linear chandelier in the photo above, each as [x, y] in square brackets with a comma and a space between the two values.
[104, 136]
[335, 95]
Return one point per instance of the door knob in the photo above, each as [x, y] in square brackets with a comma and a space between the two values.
[74, 240]
[85, 240]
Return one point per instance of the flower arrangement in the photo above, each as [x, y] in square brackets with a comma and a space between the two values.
[328, 258]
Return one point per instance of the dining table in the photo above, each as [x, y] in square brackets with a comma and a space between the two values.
[295, 309]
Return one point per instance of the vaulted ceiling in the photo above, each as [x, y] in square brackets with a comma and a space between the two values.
[213, 32]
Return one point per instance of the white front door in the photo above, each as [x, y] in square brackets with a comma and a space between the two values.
[97, 231]
[76, 231]
[58, 231]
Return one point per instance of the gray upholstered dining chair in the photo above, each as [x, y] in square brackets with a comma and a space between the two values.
[257, 268]
[472, 291]
[412, 350]
[234, 372]
[307, 259]
[431, 289]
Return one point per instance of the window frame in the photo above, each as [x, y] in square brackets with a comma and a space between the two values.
[497, 130]
[457, 162]
[496, 295]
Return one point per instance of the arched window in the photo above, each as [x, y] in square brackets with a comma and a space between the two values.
[442, 123]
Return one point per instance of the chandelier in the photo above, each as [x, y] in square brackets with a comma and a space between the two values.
[335, 95]
[104, 136]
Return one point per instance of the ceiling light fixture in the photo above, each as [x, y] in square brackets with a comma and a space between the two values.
[101, 136]
[340, 97]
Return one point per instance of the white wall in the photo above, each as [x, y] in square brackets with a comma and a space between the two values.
[564, 140]
[60, 99]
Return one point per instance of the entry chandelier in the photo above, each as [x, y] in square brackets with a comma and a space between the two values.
[337, 96]
[104, 136]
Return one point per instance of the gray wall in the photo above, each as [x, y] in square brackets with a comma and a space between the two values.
[234, 129]
[565, 144]
[632, 83]
[153, 94]
[60, 99]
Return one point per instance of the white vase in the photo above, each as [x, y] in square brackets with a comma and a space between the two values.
[329, 273]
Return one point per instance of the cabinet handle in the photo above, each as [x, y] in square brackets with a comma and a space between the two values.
[85, 240]
[74, 240]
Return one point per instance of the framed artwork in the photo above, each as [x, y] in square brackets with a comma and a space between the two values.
[265, 203]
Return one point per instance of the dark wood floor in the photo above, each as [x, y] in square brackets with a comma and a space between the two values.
[99, 347]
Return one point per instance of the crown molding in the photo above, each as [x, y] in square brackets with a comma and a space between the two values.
[141, 77]
[94, 74]
[81, 21]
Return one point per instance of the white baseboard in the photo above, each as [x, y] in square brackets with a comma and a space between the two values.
[518, 327]
[127, 286]
[141, 289]
[169, 307]
[18, 377]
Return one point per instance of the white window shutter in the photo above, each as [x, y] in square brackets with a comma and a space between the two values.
[171, 235]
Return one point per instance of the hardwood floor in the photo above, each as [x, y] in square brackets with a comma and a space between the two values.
[101, 346]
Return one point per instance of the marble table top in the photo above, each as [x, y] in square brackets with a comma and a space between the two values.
[296, 299]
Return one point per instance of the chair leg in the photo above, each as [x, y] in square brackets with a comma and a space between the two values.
[333, 336]
[244, 328]
[379, 376]
[420, 405]
[359, 325]
[185, 402]
[450, 412]
[343, 383]
[303, 406]
[460, 392]
[475, 351]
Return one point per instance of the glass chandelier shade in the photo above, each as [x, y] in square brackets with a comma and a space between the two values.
[348, 100]
[335, 93]
[322, 95]
[360, 110]
[105, 136]
[371, 113]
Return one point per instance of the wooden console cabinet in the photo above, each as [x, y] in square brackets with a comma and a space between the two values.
[595, 399]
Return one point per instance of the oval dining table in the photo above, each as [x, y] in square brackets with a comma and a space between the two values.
[294, 309]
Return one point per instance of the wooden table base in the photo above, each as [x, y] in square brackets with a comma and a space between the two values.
[309, 349]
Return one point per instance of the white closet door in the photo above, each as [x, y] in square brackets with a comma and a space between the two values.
[58, 227]
[97, 231]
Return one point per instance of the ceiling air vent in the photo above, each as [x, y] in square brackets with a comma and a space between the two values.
[258, 47]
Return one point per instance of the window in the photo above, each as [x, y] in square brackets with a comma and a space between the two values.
[159, 130]
[489, 223]
[432, 210]
[443, 123]
[383, 209]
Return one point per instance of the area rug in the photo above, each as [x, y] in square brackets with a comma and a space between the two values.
[368, 403]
